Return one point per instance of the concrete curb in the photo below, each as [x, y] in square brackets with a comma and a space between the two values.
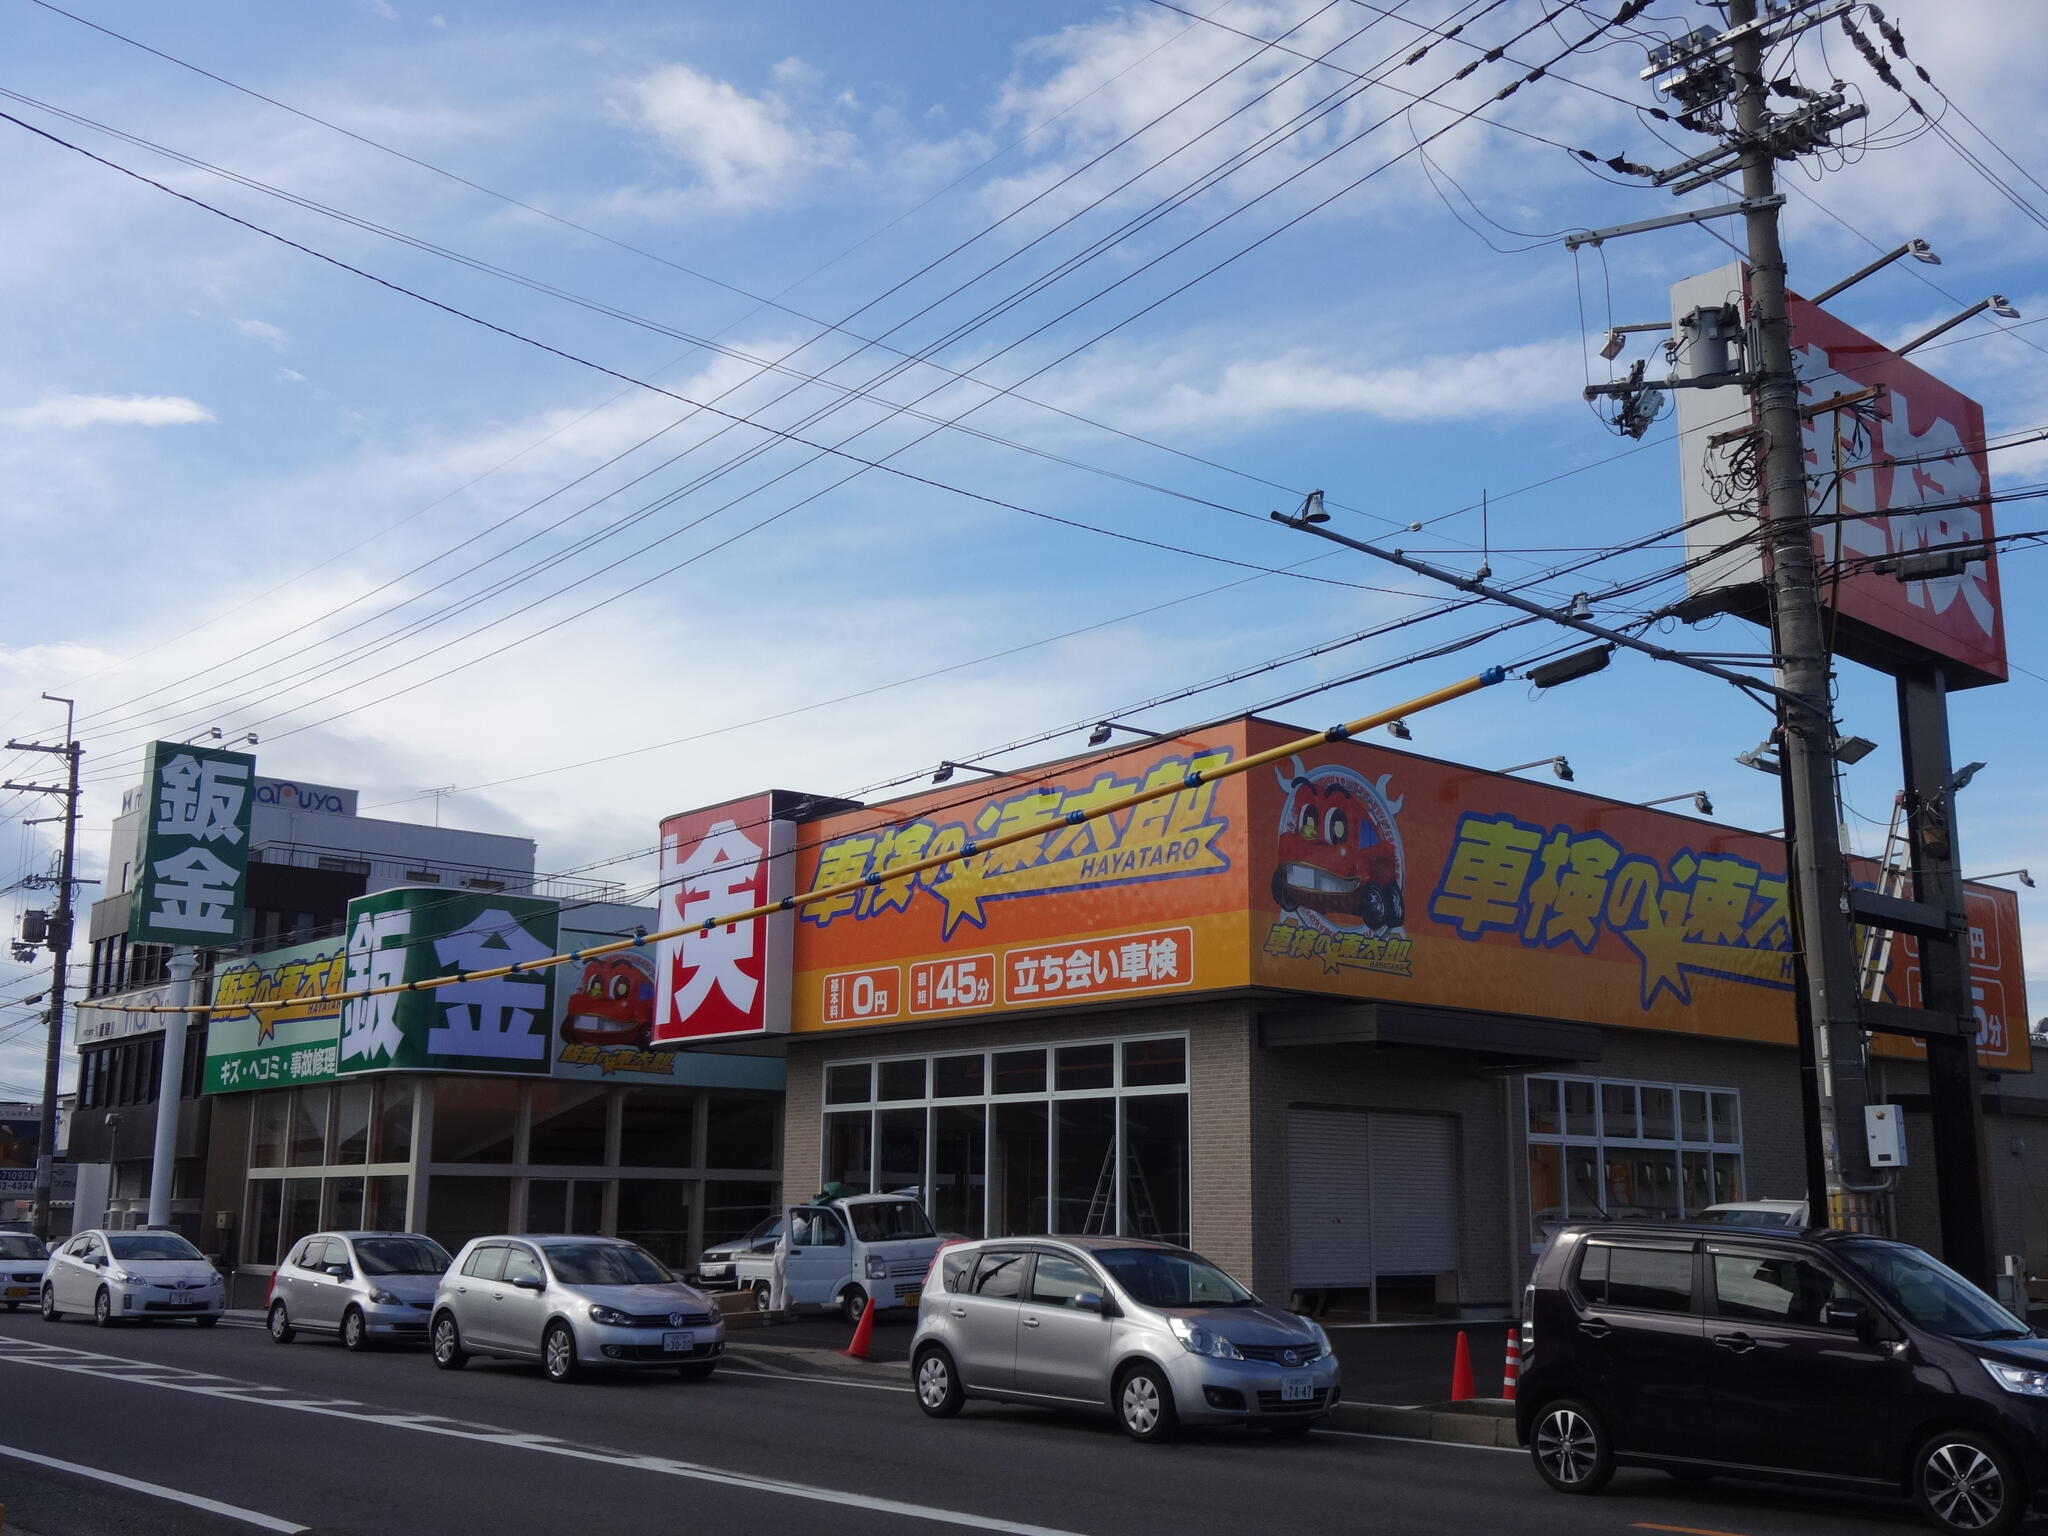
[1484, 1421]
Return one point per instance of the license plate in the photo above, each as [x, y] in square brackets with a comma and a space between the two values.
[1297, 1389]
[678, 1341]
[20, 1290]
[911, 1297]
[188, 1303]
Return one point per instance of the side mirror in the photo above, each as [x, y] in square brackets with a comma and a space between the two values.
[98, 1261]
[529, 1283]
[1089, 1301]
[1850, 1315]
[339, 1271]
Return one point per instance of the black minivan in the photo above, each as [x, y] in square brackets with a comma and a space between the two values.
[1829, 1359]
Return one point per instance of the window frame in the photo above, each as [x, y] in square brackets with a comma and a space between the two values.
[1697, 1299]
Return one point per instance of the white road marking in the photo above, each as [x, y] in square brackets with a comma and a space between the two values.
[85, 1363]
[1452, 1445]
[826, 1381]
[158, 1491]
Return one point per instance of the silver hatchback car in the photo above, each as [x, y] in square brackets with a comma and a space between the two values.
[363, 1286]
[572, 1303]
[1152, 1333]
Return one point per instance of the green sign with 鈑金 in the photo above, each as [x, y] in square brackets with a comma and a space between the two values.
[192, 857]
[412, 934]
[276, 1047]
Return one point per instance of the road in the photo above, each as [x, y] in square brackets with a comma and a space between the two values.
[308, 1437]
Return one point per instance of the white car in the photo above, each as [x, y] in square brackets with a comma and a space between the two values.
[131, 1276]
[1756, 1213]
[22, 1258]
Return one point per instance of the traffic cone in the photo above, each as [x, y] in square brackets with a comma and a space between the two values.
[863, 1331]
[1461, 1371]
[1511, 1370]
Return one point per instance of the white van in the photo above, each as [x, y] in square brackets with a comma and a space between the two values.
[846, 1253]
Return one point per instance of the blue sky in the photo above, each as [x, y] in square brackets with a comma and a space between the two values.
[245, 487]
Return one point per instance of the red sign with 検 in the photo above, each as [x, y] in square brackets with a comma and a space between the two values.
[724, 979]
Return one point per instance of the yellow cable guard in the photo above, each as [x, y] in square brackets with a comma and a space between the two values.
[1193, 779]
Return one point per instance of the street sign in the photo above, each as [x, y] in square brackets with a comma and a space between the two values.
[193, 854]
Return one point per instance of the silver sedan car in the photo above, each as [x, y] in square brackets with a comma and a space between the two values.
[572, 1303]
[363, 1287]
[1154, 1334]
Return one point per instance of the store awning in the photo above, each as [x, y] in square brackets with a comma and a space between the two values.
[1497, 1036]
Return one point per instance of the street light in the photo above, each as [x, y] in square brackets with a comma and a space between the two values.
[1698, 797]
[1398, 729]
[2018, 874]
[1919, 250]
[946, 771]
[1764, 758]
[1998, 304]
[1100, 735]
[1556, 765]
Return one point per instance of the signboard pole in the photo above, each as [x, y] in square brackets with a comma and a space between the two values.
[1799, 640]
[163, 1156]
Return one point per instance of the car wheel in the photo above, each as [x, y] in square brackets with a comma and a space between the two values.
[103, 1309]
[939, 1392]
[1144, 1405]
[697, 1372]
[558, 1353]
[1396, 908]
[1965, 1481]
[281, 1328]
[207, 1321]
[1372, 907]
[447, 1341]
[1570, 1448]
[852, 1302]
[764, 1295]
[355, 1333]
[50, 1312]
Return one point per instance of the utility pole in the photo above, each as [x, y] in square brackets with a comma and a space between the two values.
[1825, 936]
[60, 948]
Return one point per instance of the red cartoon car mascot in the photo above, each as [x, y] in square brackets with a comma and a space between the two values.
[1338, 856]
[613, 1003]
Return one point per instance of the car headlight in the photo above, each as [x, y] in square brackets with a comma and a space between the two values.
[385, 1299]
[1198, 1339]
[607, 1316]
[1322, 1338]
[877, 1266]
[118, 1277]
[2018, 1378]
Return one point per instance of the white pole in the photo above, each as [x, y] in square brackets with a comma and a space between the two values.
[163, 1160]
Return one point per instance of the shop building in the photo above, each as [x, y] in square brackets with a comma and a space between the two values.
[1363, 1027]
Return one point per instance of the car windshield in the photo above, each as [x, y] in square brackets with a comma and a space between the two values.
[881, 1221]
[1752, 1218]
[19, 1245]
[400, 1256]
[771, 1227]
[150, 1245]
[1163, 1277]
[1932, 1294]
[606, 1264]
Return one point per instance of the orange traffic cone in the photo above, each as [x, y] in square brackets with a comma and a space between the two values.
[863, 1331]
[1511, 1371]
[1461, 1371]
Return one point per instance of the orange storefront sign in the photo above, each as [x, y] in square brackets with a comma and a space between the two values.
[1354, 871]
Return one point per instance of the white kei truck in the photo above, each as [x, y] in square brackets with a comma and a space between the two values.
[846, 1251]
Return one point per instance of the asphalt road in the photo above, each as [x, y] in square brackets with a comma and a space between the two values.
[309, 1437]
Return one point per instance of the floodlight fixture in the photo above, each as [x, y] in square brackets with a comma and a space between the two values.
[945, 771]
[1998, 304]
[1960, 779]
[2020, 875]
[1557, 765]
[1398, 729]
[1698, 797]
[1919, 250]
[1853, 749]
[1100, 735]
[1568, 668]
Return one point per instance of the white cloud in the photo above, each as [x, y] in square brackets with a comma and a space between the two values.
[745, 150]
[72, 413]
[263, 331]
[383, 9]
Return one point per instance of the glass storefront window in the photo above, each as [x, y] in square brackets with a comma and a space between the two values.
[1155, 1063]
[1725, 1125]
[269, 1123]
[1638, 1164]
[732, 1208]
[1692, 1115]
[352, 1122]
[309, 1127]
[959, 1168]
[384, 1205]
[462, 1206]
[1578, 1109]
[344, 1201]
[1077, 1068]
[1583, 1182]
[265, 1214]
[899, 1149]
[1543, 1119]
[1546, 1191]
[1018, 1177]
[395, 1097]
[1657, 1122]
[473, 1122]
[301, 1211]
[656, 1126]
[740, 1132]
[1156, 1166]
[958, 1077]
[1019, 1072]
[655, 1213]
[1084, 1163]
[1618, 1118]
[565, 1205]
[849, 1083]
[849, 1150]
[899, 1080]
[1727, 1177]
[567, 1125]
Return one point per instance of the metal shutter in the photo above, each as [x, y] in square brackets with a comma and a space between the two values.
[1368, 1195]
[1329, 1173]
[1414, 1194]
